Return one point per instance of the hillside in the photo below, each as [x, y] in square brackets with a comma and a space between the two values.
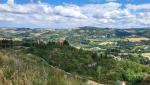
[17, 68]
[99, 67]
[107, 56]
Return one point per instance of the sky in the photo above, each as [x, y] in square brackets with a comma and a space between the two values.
[75, 13]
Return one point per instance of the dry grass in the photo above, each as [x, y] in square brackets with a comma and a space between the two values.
[21, 69]
[4, 59]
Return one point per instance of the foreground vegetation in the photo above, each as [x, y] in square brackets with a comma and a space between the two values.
[17, 68]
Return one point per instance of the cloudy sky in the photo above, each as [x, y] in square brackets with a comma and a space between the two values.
[75, 13]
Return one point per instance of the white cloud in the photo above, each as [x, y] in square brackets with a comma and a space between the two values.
[104, 15]
[138, 7]
[69, 11]
[10, 2]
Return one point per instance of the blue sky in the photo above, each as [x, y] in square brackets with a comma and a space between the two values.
[80, 2]
[75, 13]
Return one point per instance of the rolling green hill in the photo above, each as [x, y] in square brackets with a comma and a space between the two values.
[98, 67]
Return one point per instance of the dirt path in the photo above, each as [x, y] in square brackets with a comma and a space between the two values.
[90, 82]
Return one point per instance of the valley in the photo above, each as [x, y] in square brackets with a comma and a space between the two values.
[101, 55]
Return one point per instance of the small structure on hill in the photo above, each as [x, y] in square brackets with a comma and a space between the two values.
[62, 42]
[39, 41]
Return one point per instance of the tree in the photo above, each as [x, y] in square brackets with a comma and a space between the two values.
[95, 57]
[66, 43]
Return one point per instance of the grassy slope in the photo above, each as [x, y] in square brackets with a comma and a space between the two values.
[17, 68]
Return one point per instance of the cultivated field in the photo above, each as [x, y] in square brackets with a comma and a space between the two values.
[147, 55]
[139, 39]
